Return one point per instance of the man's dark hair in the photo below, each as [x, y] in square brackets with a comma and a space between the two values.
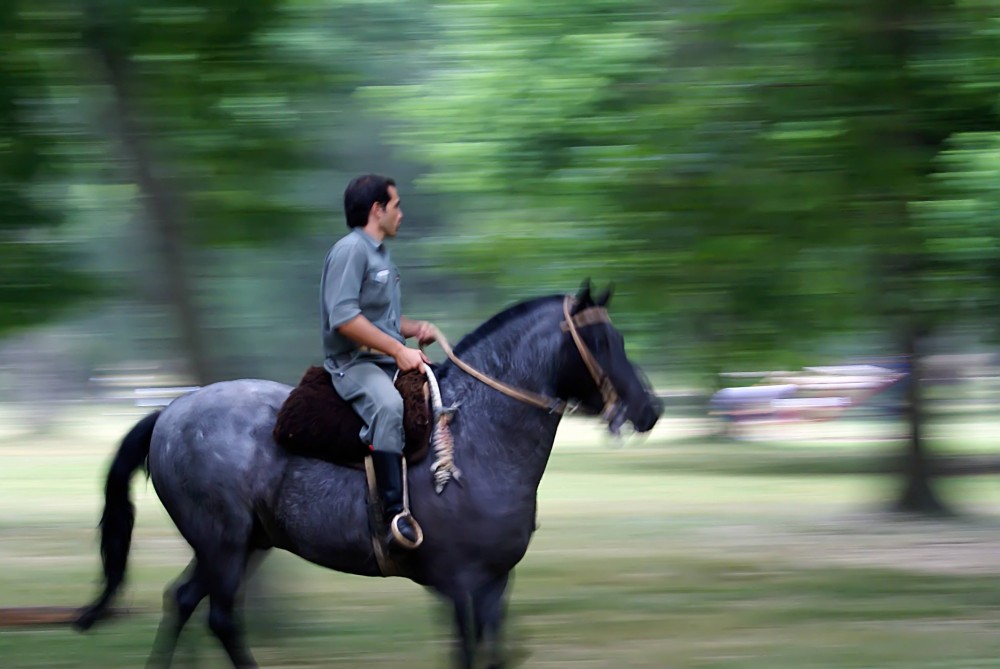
[361, 194]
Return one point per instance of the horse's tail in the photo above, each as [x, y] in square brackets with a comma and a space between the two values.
[118, 517]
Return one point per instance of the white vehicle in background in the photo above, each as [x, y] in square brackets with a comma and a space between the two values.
[810, 394]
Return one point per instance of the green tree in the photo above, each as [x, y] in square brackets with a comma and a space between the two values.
[37, 277]
[190, 105]
[759, 174]
[219, 121]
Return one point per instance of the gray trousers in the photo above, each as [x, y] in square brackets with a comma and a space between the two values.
[369, 388]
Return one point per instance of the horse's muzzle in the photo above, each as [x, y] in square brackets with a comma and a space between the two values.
[649, 414]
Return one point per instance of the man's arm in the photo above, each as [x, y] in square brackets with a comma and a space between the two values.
[361, 330]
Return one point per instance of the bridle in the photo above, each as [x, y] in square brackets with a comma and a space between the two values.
[571, 323]
[590, 316]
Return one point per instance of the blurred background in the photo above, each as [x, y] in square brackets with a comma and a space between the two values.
[796, 202]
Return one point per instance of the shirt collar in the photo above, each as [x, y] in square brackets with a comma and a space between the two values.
[377, 245]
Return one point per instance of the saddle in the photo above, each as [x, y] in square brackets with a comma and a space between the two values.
[316, 422]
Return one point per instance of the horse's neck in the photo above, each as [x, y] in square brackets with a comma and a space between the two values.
[500, 432]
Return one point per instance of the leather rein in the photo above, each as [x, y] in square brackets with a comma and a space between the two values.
[588, 316]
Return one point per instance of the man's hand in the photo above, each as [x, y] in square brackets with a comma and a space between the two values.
[425, 333]
[410, 358]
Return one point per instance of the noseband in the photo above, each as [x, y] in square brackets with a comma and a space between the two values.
[571, 323]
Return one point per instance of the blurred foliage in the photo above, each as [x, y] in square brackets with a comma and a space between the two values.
[214, 97]
[759, 179]
[36, 269]
[755, 175]
[204, 94]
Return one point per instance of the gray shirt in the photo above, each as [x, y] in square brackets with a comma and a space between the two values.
[359, 278]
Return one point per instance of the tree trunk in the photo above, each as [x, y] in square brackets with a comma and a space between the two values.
[161, 203]
[917, 494]
[896, 132]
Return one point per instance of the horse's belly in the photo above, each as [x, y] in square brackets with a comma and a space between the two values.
[320, 514]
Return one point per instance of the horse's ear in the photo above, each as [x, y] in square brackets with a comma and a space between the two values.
[605, 297]
[583, 297]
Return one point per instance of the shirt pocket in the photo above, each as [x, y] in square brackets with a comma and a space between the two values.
[377, 288]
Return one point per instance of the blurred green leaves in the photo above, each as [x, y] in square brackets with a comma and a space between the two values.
[194, 107]
[37, 277]
[756, 176]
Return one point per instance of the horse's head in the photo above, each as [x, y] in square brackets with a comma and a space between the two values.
[608, 383]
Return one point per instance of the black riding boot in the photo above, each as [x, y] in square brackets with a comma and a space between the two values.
[389, 479]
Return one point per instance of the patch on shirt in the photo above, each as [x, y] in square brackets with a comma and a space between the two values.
[382, 276]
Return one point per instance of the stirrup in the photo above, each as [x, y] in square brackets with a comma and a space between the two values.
[398, 536]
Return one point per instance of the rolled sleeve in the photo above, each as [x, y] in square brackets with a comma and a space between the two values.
[345, 271]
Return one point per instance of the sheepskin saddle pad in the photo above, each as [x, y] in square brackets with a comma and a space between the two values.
[316, 422]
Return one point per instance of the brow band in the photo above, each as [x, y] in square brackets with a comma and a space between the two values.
[588, 316]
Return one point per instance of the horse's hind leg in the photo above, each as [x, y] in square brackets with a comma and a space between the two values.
[224, 575]
[179, 603]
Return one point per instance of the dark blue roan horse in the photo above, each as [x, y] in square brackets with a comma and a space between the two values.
[233, 492]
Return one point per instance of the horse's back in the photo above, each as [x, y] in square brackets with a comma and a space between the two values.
[213, 449]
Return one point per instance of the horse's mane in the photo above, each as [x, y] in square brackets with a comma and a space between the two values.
[499, 320]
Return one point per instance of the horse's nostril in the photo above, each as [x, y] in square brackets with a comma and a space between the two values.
[649, 417]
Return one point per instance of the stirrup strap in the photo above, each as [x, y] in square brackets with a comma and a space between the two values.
[405, 513]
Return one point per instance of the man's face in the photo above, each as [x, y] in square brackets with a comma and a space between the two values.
[391, 214]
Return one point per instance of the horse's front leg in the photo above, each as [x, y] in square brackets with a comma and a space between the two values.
[465, 628]
[489, 609]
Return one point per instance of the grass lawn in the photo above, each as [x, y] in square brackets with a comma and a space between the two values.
[675, 551]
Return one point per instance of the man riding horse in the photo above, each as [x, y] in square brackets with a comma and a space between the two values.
[364, 336]
[235, 493]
